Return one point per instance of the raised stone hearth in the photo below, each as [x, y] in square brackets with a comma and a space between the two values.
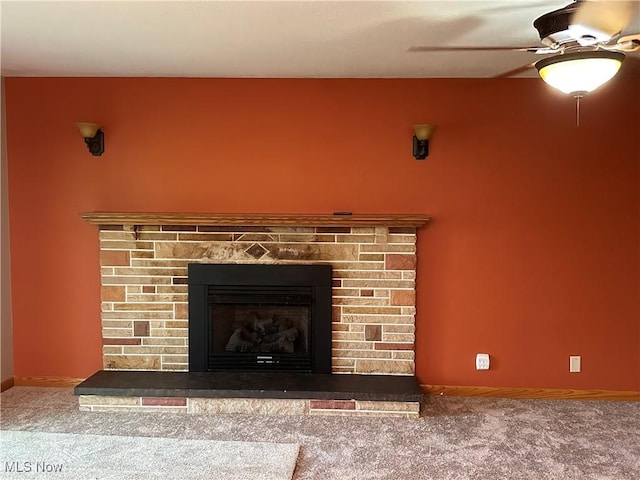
[289, 393]
[144, 260]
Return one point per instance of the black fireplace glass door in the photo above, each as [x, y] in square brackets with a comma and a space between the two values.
[259, 327]
[254, 317]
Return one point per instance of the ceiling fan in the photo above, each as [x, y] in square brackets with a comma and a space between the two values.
[584, 40]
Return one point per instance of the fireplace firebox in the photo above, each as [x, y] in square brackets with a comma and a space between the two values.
[259, 317]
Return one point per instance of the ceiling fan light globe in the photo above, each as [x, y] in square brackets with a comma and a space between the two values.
[580, 72]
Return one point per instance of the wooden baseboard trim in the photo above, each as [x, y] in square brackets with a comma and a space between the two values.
[6, 384]
[46, 381]
[448, 390]
[462, 391]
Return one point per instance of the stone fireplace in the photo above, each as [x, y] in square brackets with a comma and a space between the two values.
[145, 258]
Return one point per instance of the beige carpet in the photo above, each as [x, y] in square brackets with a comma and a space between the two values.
[457, 438]
[35, 455]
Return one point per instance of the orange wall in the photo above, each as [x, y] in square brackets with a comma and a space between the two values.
[532, 256]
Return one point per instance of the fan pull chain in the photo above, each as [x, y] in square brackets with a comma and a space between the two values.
[578, 97]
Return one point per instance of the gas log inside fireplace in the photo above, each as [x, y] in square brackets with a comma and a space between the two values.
[259, 317]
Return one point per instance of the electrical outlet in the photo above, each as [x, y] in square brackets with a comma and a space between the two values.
[575, 363]
[482, 361]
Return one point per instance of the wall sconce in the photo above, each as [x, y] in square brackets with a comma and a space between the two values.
[93, 137]
[421, 140]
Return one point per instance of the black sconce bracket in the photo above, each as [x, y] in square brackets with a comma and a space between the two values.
[420, 148]
[95, 144]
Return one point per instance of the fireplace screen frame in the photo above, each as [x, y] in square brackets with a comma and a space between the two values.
[317, 279]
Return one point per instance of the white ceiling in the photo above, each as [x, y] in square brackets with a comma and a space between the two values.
[265, 38]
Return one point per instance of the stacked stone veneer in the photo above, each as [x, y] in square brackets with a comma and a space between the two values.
[264, 406]
[144, 288]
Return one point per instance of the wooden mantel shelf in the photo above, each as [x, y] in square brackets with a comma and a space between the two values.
[120, 218]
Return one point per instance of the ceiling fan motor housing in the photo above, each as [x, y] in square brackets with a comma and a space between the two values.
[556, 28]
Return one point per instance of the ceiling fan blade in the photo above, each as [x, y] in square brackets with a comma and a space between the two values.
[472, 49]
[626, 44]
[629, 43]
[603, 16]
[630, 38]
[515, 71]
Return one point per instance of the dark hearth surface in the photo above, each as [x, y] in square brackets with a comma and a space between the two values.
[290, 385]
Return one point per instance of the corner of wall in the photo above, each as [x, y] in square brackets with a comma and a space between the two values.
[6, 326]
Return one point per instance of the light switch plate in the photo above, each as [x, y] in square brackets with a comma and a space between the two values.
[575, 363]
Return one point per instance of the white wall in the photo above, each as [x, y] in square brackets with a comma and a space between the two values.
[6, 328]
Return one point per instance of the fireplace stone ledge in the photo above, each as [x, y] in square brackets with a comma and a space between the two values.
[282, 385]
[251, 393]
